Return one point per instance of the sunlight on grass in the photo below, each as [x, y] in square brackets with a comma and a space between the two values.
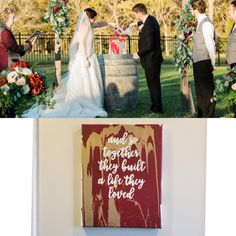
[170, 92]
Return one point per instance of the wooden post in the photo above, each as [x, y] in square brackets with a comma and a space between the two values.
[57, 61]
[129, 46]
[184, 81]
[184, 92]
[193, 109]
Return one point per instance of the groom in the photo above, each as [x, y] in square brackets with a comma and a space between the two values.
[149, 52]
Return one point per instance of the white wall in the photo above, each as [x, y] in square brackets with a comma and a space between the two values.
[16, 142]
[184, 162]
[221, 176]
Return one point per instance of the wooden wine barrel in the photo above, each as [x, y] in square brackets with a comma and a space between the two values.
[120, 77]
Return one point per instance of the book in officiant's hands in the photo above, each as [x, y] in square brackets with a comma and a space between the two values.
[33, 37]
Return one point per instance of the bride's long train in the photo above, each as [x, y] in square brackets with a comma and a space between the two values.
[81, 94]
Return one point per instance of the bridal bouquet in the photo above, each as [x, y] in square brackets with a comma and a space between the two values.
[227, 85]
[58, 15]
[21, 87]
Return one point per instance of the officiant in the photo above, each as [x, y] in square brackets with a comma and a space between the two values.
[10, 51]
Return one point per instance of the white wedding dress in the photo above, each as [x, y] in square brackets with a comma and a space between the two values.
[82, 93]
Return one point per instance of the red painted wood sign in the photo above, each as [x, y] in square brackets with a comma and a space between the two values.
[116, 45]
[122, 175]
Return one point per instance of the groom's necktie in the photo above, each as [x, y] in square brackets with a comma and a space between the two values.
[140, 23]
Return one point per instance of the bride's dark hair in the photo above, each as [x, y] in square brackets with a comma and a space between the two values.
[233, 3]
[91, 13]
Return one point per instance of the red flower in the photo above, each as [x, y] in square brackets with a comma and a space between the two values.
[23, 64]
[65, 1]
[36, 84]
[3, 81]
[187, 39]
[56, 9]
[230, 72]
[190, 24]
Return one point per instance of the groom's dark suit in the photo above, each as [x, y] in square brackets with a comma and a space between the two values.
[151, 58]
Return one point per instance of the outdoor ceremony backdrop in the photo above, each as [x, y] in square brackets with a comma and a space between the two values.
[29, 19]
[30, 14]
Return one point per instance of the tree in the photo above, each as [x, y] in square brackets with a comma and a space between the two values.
[166, 11]
[211, 9]
[222, 21]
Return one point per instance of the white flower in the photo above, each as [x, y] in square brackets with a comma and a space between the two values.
[181, 36]
[60, 19]
[140, 27]
[24, 71]
[21, 81]
[26, 89]
[11, 77]
[5, 88]
[233, 86]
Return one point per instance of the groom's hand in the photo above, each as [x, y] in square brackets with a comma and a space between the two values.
[133, 24]
[135, 56]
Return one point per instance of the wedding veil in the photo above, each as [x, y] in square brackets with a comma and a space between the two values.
[83, 23]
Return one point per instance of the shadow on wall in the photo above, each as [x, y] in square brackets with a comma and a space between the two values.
[117, 232]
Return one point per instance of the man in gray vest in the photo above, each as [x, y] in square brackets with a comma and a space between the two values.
[231, 45]
[204, 52]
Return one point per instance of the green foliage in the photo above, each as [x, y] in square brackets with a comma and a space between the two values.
[16, 97]
[170, 94]
[227, 86]
[186, 26]
[57, 14]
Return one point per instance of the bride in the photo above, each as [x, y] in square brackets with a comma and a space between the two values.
[81, 93]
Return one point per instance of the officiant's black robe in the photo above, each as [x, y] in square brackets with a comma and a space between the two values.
[151, 58]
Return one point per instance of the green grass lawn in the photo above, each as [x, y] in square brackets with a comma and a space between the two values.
[170, 93]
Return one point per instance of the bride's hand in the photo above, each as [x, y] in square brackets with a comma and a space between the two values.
[112, 24]
[87, 63]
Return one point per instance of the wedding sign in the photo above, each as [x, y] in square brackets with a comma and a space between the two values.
[33, 37]
[121, 175]
[117, 45]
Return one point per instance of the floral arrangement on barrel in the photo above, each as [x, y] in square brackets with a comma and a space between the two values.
[186, 26]
[227, 86]
[57, 14]
[21, 87]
